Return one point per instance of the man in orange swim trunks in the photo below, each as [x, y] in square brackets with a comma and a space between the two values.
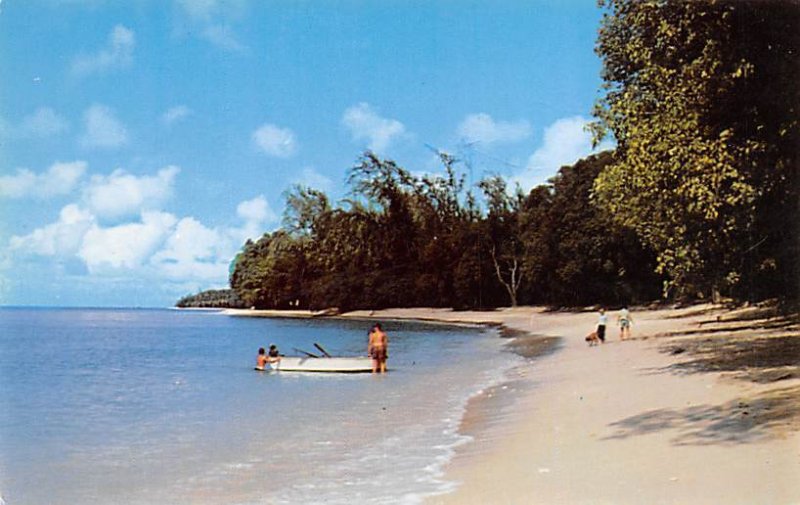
[378, 348]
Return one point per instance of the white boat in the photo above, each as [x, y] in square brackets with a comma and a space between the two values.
[313, 364]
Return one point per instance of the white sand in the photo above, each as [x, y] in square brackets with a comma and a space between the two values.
[611, 425]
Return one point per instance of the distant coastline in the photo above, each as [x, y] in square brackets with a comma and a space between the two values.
[212, 298]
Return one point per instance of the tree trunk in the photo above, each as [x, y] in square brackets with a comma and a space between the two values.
[513, 285]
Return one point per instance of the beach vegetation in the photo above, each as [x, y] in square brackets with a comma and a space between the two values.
[399, 239]
[702, 101]
[504, 234]
[575, 253]
[211, 298]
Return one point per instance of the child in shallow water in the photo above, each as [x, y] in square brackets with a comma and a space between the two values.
[274, 355]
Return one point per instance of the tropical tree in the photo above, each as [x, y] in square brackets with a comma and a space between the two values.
[504, 234]
[271, 272]
[705, 156]
[403, 240]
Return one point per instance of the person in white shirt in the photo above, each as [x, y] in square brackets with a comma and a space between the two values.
[602, 321]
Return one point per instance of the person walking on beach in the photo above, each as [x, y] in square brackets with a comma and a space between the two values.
[378, 348]
[624, 320]
[602, 321]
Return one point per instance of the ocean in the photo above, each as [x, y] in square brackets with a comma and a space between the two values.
[141, 406]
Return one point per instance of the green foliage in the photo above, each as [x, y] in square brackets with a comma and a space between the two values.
[701, 98]
[575, 252]
[401, 240]
[212, 298]
[271, 272]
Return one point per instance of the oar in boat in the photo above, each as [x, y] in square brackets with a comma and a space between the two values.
[321, 349]
[310, 355]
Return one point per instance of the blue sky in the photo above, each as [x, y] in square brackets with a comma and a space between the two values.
[142, 142]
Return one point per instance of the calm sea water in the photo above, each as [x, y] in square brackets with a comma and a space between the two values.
[110, 406]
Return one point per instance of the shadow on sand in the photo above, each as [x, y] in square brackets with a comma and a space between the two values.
[755, 344]
[732, 423]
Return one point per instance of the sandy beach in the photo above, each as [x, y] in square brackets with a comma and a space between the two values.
[702, 406]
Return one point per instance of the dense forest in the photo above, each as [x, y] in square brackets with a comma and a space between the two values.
[699, 200]
[401, 240]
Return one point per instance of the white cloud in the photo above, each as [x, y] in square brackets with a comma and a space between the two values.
[62, 238]
[255, 213]
[565, 142]
[191, 240]
[103, 129]
[126, 246]
[44, 122]
[257, 210]
[117, 53]
[144, 244]
[202, 10]
[313, 179]
[212, 21]
[275, 141]
[483, 128]
[175, 114]
[365, 124]
[123, 194]
[224, 37]
[193, 251]
[60, 179]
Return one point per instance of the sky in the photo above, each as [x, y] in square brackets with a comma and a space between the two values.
[142, 142]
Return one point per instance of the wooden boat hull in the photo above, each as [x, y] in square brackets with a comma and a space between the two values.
[335, 365]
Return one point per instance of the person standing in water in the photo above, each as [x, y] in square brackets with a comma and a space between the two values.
[625, 320]
[261, 359]
[378, 348]
[602, 321]
[274, 356]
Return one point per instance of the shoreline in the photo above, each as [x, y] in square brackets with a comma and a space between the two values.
[619, 423]
[649, 420]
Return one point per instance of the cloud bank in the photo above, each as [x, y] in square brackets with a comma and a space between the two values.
[121, 194]
[120, 230]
